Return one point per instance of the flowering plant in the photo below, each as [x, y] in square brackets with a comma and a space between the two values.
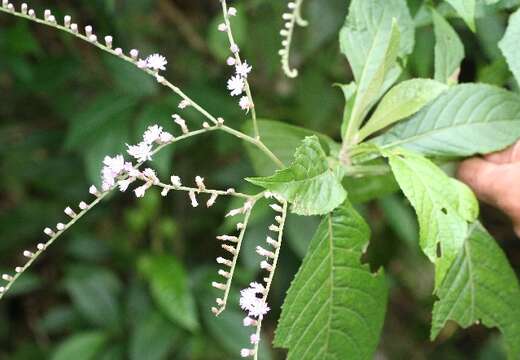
[391, 126]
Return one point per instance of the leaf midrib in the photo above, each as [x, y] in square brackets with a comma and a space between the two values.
[445, 128]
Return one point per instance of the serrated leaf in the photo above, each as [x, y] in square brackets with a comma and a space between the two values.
[466, 10]
[170, 290]
[480, 286]
[509, 45]
[282, 139]
[365, 19]
[308, 183]
[335, 307]
[81, 346]
[449, 50]
[443, 205]
[403, 100]
[380, 64]
[467, 119]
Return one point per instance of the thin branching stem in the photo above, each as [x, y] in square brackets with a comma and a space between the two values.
[91, 205]
[234, 263]
[253, 140]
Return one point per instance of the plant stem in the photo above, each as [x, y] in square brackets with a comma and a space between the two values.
[271, 274]
[257, 142]
[239, 62]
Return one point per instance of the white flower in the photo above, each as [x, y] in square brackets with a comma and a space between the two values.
[255, 306]
[243, 69]
[255, 339]
[232, 11]
[142, 151]
[156, 62]
[193, 199]
[112, 169]
[259, 309]
[150, 175]
[184, 104]
[222, 27]
[142, 64]
[141, 190]
[244, 103]
[234, 48]
[152, 134]
[165, 137]
[181, 122]
[246, 353]
[235, 85]
[115, 164]
[124, 184]
[176, 181]
[231, 61]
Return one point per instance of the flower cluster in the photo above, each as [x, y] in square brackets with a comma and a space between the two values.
[237, 83]
[253, 299]
[291, 18]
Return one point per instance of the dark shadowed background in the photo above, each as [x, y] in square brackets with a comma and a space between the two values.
[100, 291]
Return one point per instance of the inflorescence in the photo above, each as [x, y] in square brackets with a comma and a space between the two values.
[119, 174]
[291, 18]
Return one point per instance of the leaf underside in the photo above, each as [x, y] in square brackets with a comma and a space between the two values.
[449, 50]
[443, 205]
[335, 307]
[509, 45]
[481, 286]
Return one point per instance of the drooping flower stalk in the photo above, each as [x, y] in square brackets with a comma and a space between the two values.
[291, 18]
[232, 244]
[254, 299]
[85, 207]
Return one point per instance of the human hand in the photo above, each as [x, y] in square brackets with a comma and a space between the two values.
[495, 179]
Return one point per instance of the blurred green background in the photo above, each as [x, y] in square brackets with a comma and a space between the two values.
[109, 288]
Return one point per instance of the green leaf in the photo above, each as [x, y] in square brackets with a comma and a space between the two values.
[95, 293]
[509, 45]
[81, 346]
[309, 184]
[335, 307]
[449, 50]
[443, 205]
[169, 287]
[467, 119]
[153, 338]
[364, 189]
[466, 10]
[403, 100]
[282, 139]
[349, 92]
[380, 63]
[482, 287]
[97, 119]
[367, 18]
